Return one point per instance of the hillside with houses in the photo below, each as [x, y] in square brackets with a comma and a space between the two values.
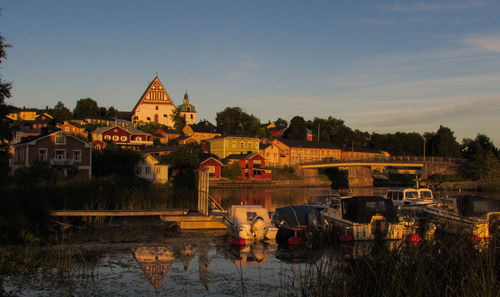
[154, 128]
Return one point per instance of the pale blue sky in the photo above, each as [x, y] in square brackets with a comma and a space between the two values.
[382, 66]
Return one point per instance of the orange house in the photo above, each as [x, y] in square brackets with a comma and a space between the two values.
[301, 151]
[73, 128]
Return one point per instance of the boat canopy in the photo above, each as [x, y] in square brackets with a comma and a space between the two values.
[296, 216]
[360, 209]
[475, 206]
[244, 214]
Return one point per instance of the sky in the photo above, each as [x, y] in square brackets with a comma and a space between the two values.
[381, 66]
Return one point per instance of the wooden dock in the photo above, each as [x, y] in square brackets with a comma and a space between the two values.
[119, 213]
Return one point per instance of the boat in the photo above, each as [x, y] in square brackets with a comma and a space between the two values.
[477, 217]
[367, 218]
[251, 222]
[298, 224]
[408, 197]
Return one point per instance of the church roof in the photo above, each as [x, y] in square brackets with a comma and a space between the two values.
[186, 106]
[155, 94]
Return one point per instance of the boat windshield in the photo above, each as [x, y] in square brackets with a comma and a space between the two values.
[425, 194]
[411, 195]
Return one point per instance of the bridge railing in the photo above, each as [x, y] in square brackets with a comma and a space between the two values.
[383, 159]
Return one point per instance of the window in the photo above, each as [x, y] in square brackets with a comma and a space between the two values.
[165, 116]
[191, 116]
[234, 144]
[156, 107]
[115, 138]
[156, 118]
[148, 170]
[116, 130]
[42, 154]
[138, 138]
[66, 129]
[77, 156]
[123, 138]
[138, 170]
[60, 139]
[249, 145]
[107, 137]
[242, 145]
[60, 155]
[148, 118]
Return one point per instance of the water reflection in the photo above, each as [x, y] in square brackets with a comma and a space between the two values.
[255, 254]
[154, 261]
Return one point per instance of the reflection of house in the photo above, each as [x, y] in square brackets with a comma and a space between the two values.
[154, 105]
[155, 262]
[212, 163]
[229, 145]
[250, 255]
[167, 134]
[252, 166]
[301, 151]
[187, 111]
[73, 128]
[203, 130]
[131, 138]
[59, 149]
[151, 169]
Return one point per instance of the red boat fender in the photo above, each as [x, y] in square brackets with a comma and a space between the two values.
[415, 239]
[238, 242]
[295, 240]
[346, 238]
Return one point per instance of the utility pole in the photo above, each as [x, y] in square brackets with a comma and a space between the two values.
[318, 132]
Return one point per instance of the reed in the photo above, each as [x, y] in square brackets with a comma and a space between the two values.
[445, 266]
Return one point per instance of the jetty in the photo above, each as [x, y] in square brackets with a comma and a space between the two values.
[209, 215]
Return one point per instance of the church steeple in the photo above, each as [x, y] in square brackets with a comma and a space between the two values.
[186, 98]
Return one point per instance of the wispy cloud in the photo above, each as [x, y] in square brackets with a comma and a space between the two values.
[436, 5]
[245, 65]
[472, 108]
[489, 43]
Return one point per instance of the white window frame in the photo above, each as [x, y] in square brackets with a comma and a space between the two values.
[107, 137]
[77, 155]
[115, 138]
[60, 137]
[46, 154]
[123, 138]
[56, 155]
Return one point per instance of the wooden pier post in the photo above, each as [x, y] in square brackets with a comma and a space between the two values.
[203, 185]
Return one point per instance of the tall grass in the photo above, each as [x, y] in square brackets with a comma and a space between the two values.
[445, 266]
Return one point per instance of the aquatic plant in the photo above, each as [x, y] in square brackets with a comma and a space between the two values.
[445, 266]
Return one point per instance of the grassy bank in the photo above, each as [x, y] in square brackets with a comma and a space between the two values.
[445, 266]
[25, 208]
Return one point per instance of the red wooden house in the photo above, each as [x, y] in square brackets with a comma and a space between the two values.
[129, 138]
[212, 163]
[252, 166]
[58, 149]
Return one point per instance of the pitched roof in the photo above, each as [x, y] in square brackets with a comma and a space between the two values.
[241, 156]
[206, 156]
[295, 143]
[129, 130]
[204, 127]
[154, 84]
[33, 139]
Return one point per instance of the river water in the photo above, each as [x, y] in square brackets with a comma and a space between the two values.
[159, 262]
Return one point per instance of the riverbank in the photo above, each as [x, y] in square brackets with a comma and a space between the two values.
[480, 185]
[267, 183]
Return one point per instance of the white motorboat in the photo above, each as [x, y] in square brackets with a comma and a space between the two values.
[366, 217]
[251, 222]
[405, 197]
[475, 216]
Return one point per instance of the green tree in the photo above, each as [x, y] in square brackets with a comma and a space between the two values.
[234, 121]
[297, 129]
[114, 160]
[179, 121]
[61, 113]
[281, 123]
[149, 127]
[483, 156]
[86, 107]
[442, 143]
[5, 93]
[111, 113]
